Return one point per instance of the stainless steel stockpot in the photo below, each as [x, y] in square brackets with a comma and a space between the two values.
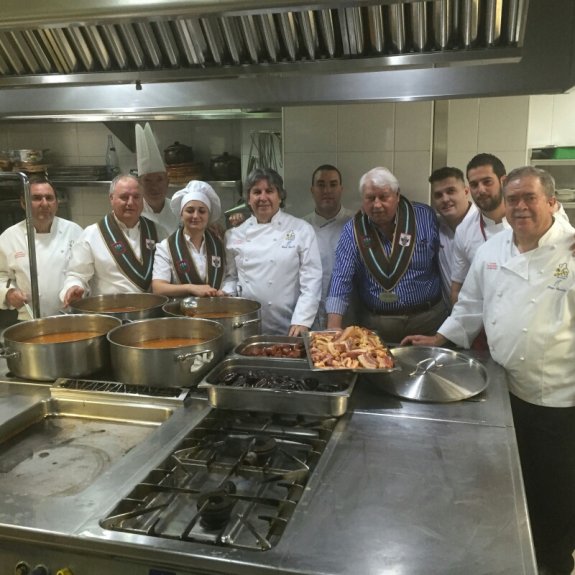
[168, 366]
[125, 306]
[49, 361]
[239, 317]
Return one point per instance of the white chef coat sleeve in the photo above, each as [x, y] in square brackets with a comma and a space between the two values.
[80, 269]
[230, 283]
[162, 262]
[310, 279]
[466, 319]
[459, 263]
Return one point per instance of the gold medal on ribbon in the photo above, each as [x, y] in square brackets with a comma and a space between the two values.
[388, 297]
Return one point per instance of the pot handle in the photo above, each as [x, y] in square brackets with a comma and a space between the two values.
[201, 359]
[7, 353]
[240, 324]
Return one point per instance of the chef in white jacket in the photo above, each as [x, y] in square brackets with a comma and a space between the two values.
[154, 179]
[273, 258]
[115, 255]
[521, 287]
[53, 241]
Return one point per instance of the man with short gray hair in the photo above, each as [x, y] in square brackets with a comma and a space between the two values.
[389, 253]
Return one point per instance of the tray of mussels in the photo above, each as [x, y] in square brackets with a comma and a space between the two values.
[281, 386]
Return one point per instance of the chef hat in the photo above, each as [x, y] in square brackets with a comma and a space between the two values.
[149, 157]
[196, 190]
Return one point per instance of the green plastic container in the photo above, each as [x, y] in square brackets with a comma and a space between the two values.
[564, 153]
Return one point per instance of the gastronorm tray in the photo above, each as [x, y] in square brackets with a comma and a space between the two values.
[312, 367]
[256, 341]
[318, 403]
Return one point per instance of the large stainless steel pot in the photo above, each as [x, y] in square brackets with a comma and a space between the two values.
[49, 361]
[125, 306]
[241, 317]
[166, 367]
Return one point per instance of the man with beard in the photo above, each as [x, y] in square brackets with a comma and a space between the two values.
[451, 200]
[486, 175]
[521, 287]
[327, 220]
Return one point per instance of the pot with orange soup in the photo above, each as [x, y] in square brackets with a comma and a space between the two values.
[240, 317]
[59, 346]
[165, 352]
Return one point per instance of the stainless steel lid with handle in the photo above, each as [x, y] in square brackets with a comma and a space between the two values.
[434, 374]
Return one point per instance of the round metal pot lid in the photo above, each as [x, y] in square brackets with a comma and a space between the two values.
[435, 374]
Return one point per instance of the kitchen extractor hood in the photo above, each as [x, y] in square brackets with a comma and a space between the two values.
[83, 42]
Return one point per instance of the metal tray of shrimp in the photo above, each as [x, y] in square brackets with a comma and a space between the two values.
[273, 347]
[280, 386]
[356, 356]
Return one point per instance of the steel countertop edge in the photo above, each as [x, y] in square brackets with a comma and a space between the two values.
[402, 488]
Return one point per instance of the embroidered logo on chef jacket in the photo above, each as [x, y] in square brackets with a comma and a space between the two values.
[217, 261]
[289, 239]
[561, 274]
[119, 247]
[183, 265]
[491, 266]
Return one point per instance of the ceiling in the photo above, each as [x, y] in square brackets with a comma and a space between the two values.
[119, 59]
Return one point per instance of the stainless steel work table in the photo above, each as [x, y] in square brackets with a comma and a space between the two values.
[402, 488]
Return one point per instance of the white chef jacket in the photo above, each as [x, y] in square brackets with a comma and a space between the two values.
[277, 264]
[527, 304]
[468, 238]
[164, 267]
[327, 232]
[93, 268]
[53, 251]
[446, 248]
[166, 221]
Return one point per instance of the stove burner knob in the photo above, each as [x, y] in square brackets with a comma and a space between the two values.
[22, 568]
[40, 570]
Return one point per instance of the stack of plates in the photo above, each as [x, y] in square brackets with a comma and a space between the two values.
[78, 173]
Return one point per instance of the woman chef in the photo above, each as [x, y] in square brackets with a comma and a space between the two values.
[274, 258]
[191, 260]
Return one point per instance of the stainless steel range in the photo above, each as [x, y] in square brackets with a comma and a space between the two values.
[391, 486]
[234, 480]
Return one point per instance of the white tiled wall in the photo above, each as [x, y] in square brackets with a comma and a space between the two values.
[356, 138]
[551, 121]
[495, 125]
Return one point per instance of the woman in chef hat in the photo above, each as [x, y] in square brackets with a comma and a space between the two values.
[191, 260]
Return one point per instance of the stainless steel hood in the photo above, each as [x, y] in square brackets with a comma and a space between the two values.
[82, 42]
[124, 60]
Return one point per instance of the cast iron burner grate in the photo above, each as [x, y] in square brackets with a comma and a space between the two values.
[117, 387]
[234, 480]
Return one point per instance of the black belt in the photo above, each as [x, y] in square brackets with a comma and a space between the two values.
[410, 310]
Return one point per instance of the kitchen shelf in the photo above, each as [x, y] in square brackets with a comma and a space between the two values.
[536, 162]
[106, 184]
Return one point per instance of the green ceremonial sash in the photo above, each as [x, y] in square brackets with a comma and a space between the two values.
[183, 263]
[387, 270]
[138, 271]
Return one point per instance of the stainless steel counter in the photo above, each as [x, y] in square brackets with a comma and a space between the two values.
[402, 488]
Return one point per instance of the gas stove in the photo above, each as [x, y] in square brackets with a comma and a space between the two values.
[233, 481]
